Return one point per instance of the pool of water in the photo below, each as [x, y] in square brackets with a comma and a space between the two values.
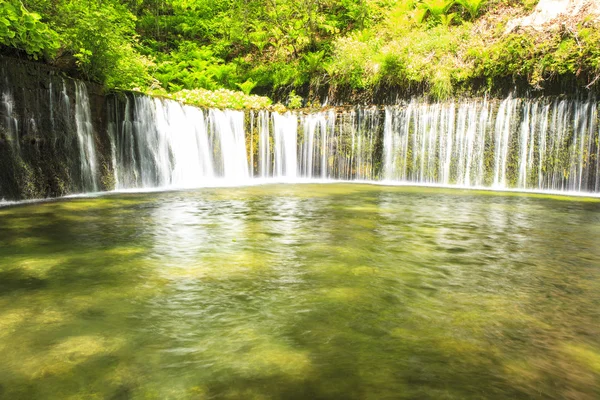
[334, 291]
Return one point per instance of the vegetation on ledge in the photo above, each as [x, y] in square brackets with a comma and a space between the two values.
[218, 52]
[221, 98]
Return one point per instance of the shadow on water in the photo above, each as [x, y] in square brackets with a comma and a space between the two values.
[304, 291]
[64, 291]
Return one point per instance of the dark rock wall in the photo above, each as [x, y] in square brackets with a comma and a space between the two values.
[39, 150]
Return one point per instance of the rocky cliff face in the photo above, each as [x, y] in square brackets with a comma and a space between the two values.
[42, 115]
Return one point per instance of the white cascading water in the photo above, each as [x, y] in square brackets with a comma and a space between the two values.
[164, 143]
[251, 168]
[229, 144]
[10, 122]
[339, 145]
[543, 144]
[85, 135]
[535, 144]
[264, 145]
[122, 144]
[285, 132]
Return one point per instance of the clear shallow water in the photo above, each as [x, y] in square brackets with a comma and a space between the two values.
[301, 291]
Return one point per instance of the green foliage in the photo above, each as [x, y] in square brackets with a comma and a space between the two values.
[182, 46]
[447, 19]
[247, 86]
[589, 52]
[191, 66]
[353, 62]
[313, 62]
[24, 30]
[510, 57]
[294, 101]
[393, 70]
[102, 37]
[574, 55]
[277, 75]
[403, 57]
[473, 7]
[434, 9]
[221, 98]
[438, 11]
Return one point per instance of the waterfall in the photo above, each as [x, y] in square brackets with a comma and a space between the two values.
[310, 139]
[85, 135]
[162, 143]
[10, 122]
[541, 144]
[264, 155]
[47, 138]
[339, 145]
[251, 165]
[285, 130]
[538, 144]
[227, 130]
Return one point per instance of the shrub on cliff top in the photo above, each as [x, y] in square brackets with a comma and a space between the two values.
[24, 30]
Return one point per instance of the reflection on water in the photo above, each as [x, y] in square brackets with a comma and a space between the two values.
[301, 291]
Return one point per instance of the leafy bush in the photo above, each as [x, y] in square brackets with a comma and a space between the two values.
[313, 65]
[393, 70]
[433, 10]
[101, 35]
[277, 75]
[353, 62]
[439, 46]
[247, 86]
[571, 55]
[192, 66]
[24, 30]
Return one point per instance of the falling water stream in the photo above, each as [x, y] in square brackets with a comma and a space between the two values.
[540, 144]
[85, 134]
[536, 144]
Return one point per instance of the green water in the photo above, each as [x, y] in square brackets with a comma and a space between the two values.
[301, 292]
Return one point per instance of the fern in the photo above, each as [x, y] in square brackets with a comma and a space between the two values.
[314, 62]
[247, 86]
[447, 19]
[436, 8]
[473, 7]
